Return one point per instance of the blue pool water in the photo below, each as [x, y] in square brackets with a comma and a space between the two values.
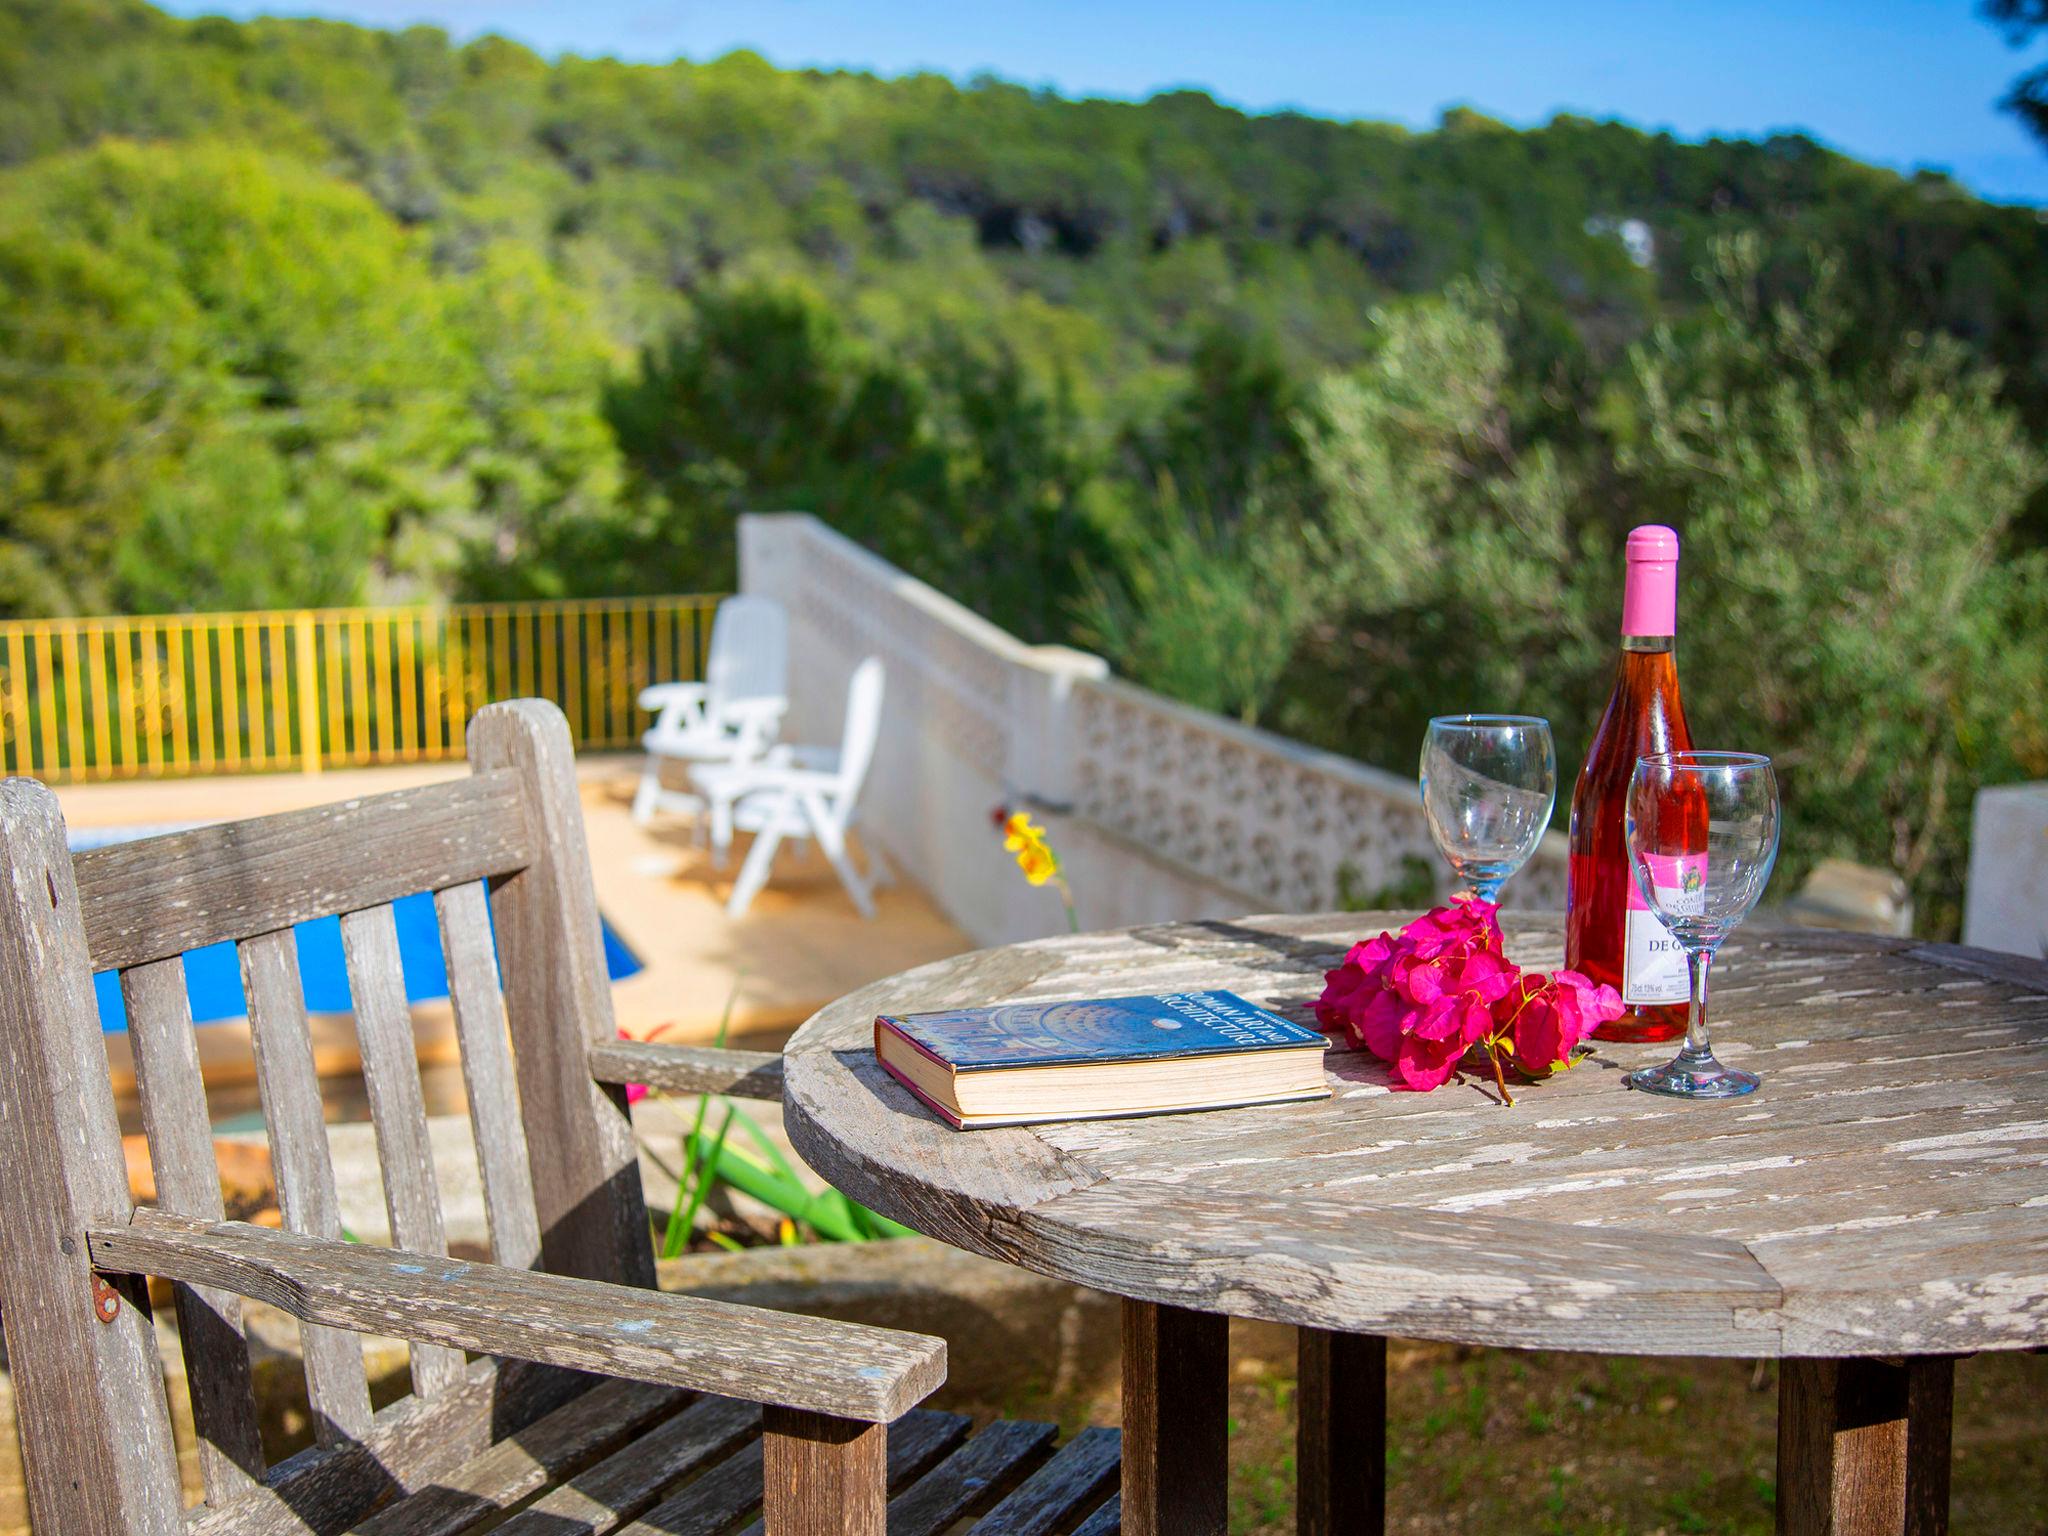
[213, 976]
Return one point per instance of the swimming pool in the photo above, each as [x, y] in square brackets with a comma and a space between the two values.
[213, 976]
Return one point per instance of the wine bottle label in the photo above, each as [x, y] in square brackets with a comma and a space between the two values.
[1653, 962]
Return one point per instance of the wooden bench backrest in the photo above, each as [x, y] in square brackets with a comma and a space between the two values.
[560, 1178]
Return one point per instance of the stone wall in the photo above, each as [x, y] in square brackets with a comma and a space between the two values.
[1159, 811]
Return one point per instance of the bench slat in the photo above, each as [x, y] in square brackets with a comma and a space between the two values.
[487, 1076]
[1106, 1521]
[174, 1118]
[87, 1378]
[973, 1475]
[626, 1484]
[596, 1424]
[398, 1111]
[160, 896]
[336, 1383]
[710, 1505]
[1074, 1480]
[414, 1445]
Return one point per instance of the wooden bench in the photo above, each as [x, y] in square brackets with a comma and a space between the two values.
[555, 1383]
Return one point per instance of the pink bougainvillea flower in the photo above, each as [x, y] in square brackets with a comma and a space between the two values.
[1545, 1018]
[1421, 1064]
[1465, 922]
[1421, 998]
[1348, 988]
[1381, 1025]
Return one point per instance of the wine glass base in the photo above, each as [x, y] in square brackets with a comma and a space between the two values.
[1693, 1076]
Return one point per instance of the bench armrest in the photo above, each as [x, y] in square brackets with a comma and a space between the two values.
[846, 1370]
[689, 1068]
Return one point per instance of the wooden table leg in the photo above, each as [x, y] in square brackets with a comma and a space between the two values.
[1176, 1431]
[1863, 1447]
[1340, 1456]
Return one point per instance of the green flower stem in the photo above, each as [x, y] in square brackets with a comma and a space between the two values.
[677, 1233]
[705, 1172]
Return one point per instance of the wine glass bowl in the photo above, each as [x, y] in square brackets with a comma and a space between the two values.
[1702, 831]
[1488, 785]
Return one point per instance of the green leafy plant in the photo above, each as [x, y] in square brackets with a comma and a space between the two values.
[758, 1169]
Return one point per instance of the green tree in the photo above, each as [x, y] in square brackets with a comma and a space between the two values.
[1449, 548]
[2021, 21]
[210, 351]
[1861, 610]
[101, 374]
[1207, 612]
[951, 460]
[1233, 433]
[764, 401]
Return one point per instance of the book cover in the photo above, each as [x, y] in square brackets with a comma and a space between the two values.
[1098, 1030]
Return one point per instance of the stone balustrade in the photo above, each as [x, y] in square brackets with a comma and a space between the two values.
[1159, 811]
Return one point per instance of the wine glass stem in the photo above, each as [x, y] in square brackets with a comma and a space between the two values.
[1698, 962]
[1485, 890]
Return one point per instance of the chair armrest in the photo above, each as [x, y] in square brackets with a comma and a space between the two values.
[689, 1068]
[660, 695]
[754, 723]
[735, 781]
[677, 707]
[847, 1370]
[759, 706]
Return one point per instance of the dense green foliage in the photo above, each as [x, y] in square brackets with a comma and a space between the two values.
[1852, 596]
[232, 381]
[1327, 425]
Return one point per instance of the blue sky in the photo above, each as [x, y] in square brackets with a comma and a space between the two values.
[1905, 83]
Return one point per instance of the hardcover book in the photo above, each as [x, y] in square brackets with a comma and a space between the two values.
[1104, 1057]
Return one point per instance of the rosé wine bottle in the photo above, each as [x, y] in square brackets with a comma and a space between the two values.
[1610, 933]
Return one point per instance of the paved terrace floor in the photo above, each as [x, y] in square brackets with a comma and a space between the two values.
[799, 946]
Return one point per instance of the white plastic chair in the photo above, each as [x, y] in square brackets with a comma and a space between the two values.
[800, 792]
[730, 717]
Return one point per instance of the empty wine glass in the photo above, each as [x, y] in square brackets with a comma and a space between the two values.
[1488, 785]
[1702, 837]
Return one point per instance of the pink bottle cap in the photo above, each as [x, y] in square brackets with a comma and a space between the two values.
[1649, 598]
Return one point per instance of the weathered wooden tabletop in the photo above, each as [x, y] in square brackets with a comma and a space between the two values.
[1884, 1193]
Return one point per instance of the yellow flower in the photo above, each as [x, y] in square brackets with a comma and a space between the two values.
[1038, 864]
[1034, 855]
[1041, 866]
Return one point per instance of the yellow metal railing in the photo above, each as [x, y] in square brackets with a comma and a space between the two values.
[115, 698]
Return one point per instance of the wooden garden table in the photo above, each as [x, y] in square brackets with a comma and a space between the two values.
[1877, 1208]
